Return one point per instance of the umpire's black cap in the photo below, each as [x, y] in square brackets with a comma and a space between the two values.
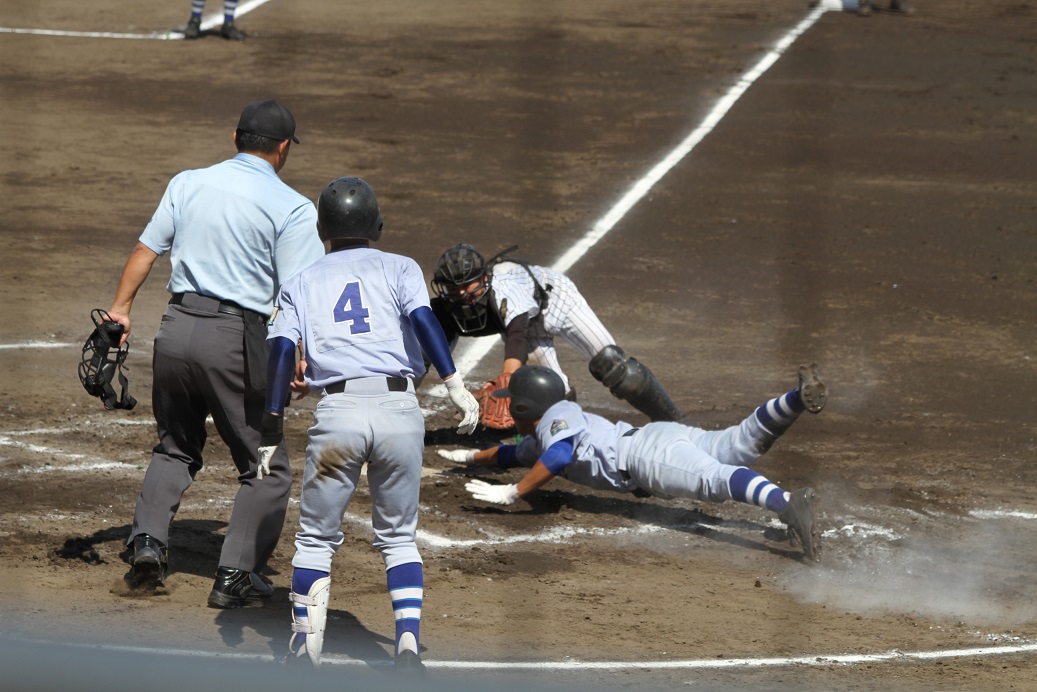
[268, 119]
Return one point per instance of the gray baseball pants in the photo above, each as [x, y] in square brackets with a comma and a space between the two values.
[199, 369]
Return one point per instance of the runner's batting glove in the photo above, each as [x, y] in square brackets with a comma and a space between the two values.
[496, 494]
[465, 403]
[461, 456]
[273, 435]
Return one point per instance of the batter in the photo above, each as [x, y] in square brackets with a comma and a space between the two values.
[363, 317]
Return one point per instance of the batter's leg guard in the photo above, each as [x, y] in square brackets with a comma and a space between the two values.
[632, 381]
[312, 626]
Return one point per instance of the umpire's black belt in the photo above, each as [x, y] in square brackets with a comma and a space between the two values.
[395, 384]
[199, 302]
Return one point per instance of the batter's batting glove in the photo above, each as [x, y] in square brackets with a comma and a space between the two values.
[273, 435]
[461, 456]
[496, 494]
[465, 403]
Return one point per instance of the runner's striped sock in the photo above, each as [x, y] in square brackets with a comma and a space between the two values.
[752, 488]
[779, 413]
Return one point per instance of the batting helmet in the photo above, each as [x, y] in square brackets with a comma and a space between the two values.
[347, 208]
[533, 389]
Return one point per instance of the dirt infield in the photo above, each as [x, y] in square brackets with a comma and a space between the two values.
[868, 203]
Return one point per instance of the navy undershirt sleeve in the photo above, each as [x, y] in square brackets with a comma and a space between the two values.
[279, 370]
[506, 457]
[433, 341]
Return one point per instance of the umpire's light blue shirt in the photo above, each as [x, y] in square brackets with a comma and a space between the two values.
[234, 231]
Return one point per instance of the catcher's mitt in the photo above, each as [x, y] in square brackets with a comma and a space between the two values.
[493, 412]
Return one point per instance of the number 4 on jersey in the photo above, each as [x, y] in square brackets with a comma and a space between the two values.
[350, 308]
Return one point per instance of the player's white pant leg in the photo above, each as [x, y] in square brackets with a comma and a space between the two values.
[394, 476]
[316, 602]
[738, 445]
[335, 455]
[542, 352]
[664, 461]
[570, 317]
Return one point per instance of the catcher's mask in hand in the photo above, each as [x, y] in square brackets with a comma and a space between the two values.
[102, 359]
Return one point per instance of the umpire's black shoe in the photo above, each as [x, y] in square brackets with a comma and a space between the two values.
[236, 587]
[409, 663]
[150, 560]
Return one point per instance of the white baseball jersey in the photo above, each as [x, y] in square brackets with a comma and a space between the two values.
[346, 308]
[568, 315]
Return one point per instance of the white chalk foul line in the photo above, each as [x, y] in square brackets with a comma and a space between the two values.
[476, 349]
[213, 20]
[572, 664]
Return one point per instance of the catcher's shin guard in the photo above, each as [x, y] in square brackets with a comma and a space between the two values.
[316, 602]
[632, 381]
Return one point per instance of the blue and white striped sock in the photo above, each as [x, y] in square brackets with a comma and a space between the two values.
[229, 7]
[778, 414]
[406, 589]
[197, 7]
[751, 488]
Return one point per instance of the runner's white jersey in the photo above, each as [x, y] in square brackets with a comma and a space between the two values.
[350, 309]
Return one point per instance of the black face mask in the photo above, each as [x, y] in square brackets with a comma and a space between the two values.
[472, 318]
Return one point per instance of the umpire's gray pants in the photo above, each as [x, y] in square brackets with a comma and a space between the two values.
[199, 369]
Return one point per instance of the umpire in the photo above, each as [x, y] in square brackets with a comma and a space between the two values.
[234, 232]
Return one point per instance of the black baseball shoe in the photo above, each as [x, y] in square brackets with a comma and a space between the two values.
[237, 587]
[231, 32]
[801, 519]
[864, 8]
[409, 663]
[150, 560]
[901, 7]
[194, 28]
[813, 391]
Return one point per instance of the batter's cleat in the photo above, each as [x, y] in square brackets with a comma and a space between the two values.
[801, 519]
[409, 663]
[813, 391]
[231, 32]
[864, 8]
[194, 28]
[150, 560]
[237, 587]
[901, 7]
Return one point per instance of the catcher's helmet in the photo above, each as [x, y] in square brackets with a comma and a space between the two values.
[459, 266]
[347, 208]
[533, 389]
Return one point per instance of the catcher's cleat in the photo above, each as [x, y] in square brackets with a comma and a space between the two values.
[193, 29]
[901, 7]
[801, 519]
[150, 560]
[231, 32]
[409, 663]
[236, 587]
[812, 388]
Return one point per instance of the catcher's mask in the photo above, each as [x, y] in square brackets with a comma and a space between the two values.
[533, 389]
[102, 359]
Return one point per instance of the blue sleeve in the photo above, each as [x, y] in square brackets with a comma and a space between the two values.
[433, 340]
[506, 457]
[558, 456]
[279, 370]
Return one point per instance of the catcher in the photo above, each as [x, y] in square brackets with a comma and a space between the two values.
[666, 460]
[528, 306]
